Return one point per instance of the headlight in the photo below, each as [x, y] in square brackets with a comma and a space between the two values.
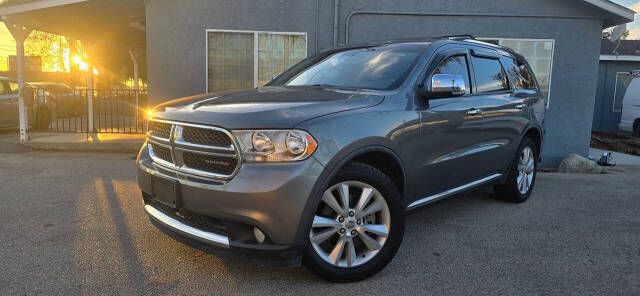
[275, 145]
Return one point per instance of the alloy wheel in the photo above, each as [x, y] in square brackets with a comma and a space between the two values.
[351, 224]
[526, 170]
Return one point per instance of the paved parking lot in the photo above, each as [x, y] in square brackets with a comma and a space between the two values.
[73, 223]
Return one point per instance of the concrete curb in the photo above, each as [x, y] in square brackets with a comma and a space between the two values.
[85, 146]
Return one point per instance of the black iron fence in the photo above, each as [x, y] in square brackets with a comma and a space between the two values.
[68, 110]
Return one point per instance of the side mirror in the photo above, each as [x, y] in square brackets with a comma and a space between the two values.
[445, 86]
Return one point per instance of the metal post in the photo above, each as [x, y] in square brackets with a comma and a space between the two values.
[136, 83]
[20, 34]
[90, 89]
[24, 121]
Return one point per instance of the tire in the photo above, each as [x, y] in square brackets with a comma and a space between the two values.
[43, 119]
[510, 190]
[365, 261]
[636, 128]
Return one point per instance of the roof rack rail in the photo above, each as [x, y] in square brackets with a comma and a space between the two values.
[454, 37]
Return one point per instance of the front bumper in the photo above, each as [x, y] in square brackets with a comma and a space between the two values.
[211, 213]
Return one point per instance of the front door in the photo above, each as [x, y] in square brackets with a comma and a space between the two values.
[451, 129]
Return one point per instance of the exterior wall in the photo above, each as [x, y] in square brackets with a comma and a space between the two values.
[604, 118]
[176, 43]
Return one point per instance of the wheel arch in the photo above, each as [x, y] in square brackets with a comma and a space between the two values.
[369, 153]
[535, 133]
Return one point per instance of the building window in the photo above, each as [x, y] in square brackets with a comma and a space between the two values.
[539, 54]
[623, 79]
[248, 59]
[278, 52]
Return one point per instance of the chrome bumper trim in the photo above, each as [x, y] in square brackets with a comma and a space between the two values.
[192, 232]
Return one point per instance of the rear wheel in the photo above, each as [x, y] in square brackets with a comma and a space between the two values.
[636, 128]
[357, 227]
[522, 174]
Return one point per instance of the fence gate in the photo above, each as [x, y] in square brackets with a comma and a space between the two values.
[57, 108]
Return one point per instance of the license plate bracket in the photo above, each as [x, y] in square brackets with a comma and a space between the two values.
[165, 191]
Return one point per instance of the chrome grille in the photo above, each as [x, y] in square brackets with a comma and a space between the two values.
[161, 152]
[206, 137]
[210, 163]
[204, 151]
[160, 129]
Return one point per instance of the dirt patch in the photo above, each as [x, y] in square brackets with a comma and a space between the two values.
[616, 142]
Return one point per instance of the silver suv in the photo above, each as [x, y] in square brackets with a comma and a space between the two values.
[322, 165]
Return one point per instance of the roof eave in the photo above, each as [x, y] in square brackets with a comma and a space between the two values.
[621, 14]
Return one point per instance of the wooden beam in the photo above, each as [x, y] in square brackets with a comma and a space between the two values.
[30, 6]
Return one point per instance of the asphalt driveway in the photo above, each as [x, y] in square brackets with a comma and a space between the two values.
[73, 223]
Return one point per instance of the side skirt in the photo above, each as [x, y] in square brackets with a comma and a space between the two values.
[452, 191]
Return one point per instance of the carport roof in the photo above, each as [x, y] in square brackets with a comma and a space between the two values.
[124, 20]
[113, 21]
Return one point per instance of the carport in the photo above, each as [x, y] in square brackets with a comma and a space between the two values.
[113, 24]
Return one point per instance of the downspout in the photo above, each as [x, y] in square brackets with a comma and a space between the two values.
[336, 8]
[352, 14]
[317, 22]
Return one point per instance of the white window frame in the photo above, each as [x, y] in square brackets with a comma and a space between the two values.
[255, 49]
[553, 52]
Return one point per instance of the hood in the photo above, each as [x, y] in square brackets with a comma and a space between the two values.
[267, 107]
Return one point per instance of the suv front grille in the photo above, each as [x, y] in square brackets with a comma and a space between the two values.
[161, 152]
[203, 151]
[210, 163]
[205, 137]
[160, 129]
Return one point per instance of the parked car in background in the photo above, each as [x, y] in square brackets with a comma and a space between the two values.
[321, 165]
[63, 100]
[630, 120]
[8, 102]
[44, 101]
[39, 114]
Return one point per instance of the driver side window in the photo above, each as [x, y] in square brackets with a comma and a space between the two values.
[456, 65]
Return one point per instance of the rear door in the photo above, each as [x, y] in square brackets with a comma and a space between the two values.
[8, 106]
[501, 111]
[450, 130]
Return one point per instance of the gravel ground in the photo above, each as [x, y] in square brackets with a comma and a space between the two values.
[73, 223]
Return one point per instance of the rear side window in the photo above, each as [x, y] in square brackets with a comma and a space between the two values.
[522, 77]
[456, 65]
[489, 75]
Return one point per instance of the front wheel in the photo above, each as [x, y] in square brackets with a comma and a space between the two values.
[357, 226]
[522, 174]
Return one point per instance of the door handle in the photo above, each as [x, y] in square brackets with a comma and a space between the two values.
[474, 111]
[521, 106]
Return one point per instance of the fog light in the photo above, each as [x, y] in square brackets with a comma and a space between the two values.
[259, 235]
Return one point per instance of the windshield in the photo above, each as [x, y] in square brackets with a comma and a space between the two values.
[377, 68]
